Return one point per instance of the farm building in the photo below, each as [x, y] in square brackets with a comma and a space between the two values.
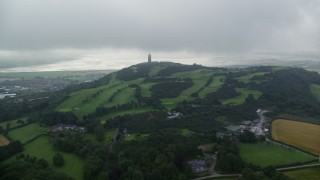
[246, 123]
[234, 128]
[197, 165]
[220, 135]
[64, 127]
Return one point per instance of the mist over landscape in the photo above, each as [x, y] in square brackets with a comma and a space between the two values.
[58, 35]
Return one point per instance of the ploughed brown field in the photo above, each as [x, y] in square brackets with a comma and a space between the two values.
[3, 140]
[300, 134]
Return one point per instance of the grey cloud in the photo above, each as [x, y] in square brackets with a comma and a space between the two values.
[221, 26]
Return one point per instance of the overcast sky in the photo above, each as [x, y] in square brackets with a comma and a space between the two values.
[105, 34]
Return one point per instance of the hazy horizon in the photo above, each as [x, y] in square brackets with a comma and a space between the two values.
[44, 35]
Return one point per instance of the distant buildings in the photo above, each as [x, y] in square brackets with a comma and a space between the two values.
[64, 127]
[174, 115]
[197, 165]
[149, 58]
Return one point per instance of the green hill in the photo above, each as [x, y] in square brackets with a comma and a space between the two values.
[164, 86]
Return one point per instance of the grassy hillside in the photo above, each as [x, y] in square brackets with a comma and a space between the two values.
[157, 85]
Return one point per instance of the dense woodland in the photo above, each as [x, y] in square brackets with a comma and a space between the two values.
[164, 152]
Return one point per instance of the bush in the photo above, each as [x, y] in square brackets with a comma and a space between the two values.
[58, 160]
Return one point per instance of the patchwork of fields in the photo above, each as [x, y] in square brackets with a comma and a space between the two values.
[271, 154]
[299, 134]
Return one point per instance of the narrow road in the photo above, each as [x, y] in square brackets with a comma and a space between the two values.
[218, 175]
[298, 167]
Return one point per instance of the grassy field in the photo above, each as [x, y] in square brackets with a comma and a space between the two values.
[85, 101]
[26, 133]
[41, 148]
[242, 97]
[131, 137]
[146, 89]
[186, 132]
[307, 174]
[315, 90]
[300, 134]
[13, 123]
[216, 84]
[247, 78]
[199, 78]
[3, 140]
[272, 154]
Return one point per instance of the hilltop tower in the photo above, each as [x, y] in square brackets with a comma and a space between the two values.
[149, 58]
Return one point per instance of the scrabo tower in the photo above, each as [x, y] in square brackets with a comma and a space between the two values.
[149, 58]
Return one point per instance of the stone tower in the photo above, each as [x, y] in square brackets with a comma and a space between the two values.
[149, 58]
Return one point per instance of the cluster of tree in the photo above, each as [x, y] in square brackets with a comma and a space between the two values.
[52, 118]
[247, 137]
[32, 159]
[169, 89]
[58, 160]
[228, 158]
[9, 150]
[28, 170]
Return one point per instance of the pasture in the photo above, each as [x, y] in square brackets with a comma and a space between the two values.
[299, 134]
[271, 154]
[109, 135]
[3, 141]
[247, 78]
[309, 173]
[315, 90]
[26, 133]
[132, 137]
[199, 78]
[244, 92]
[41, 148]
[13, 123]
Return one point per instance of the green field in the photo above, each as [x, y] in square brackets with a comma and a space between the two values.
[26, 133]
[13, 123]
[216, 84]
[273, 154]
[199, 78]
[307, 174]
[85, 101]
[131, 137]
[242, 97]
[146, 89]
[247, 78]
[41, 148]
[186, 132]
[315, 90]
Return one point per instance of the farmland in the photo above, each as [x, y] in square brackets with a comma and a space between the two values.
[41, 148]
[299, 134]
[271, 154]
[3, 140]
[309, 173]
[26, 133]
[244, 92]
